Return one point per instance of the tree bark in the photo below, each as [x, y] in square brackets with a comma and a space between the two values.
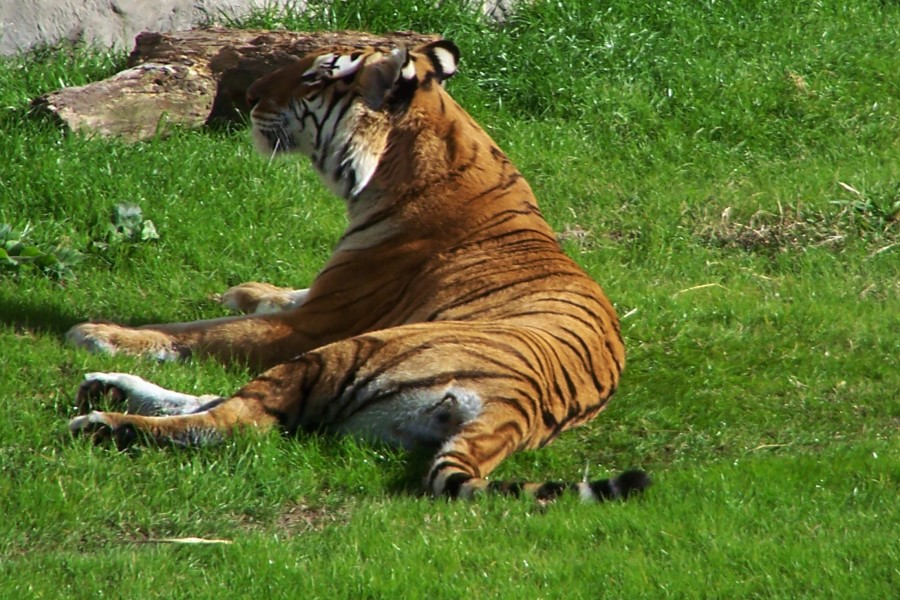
[189, 78]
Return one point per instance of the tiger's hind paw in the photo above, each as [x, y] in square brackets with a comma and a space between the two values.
[97, 387]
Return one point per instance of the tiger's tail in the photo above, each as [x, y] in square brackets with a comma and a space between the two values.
[462, 485]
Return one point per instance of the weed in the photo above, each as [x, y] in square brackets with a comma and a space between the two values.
[129, 226]
[17, 252]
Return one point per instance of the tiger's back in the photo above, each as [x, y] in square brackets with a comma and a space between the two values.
[447, 315]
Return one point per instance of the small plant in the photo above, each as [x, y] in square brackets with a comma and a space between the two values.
[17, 252]
[129, 225]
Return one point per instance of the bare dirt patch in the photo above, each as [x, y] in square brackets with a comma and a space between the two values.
[299, 518]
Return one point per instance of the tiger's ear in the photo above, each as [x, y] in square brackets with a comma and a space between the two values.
[394, 77]
[444, 57]
[379, 79]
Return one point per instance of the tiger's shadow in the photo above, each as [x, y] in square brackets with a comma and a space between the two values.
[29, 316]
[52, 319]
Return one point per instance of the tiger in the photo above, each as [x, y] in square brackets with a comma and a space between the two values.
[447, 318]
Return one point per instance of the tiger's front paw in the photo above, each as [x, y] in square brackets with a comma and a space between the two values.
[109, 338]
[261, 298]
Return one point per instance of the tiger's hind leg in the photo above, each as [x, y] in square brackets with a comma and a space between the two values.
[168, 417]
[262, 298]
[192, 422]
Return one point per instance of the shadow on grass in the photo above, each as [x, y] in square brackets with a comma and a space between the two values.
[57, 320]
[49, 318]
[410, 481]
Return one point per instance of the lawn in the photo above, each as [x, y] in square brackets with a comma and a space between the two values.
[728, 172]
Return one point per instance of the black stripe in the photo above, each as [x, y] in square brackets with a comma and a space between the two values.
[559, 360]
[311, 376]
[526, 406]
[540, 241]
[335, 101]
[401, 96]
[461, 464]
[603, 489]
[494, 188]
[511, 181]
[585, 356]
[450, 139]
[507, 488]
[509, 349]
[632, 482]
[612, 355]
[550, 490]
[454, 482]
[575, 351]
[374, 219]
[364, 349]
[281, 416]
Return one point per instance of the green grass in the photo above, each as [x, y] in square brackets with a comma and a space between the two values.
[729, 172]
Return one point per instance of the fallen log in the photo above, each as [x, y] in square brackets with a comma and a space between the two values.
[190, 78]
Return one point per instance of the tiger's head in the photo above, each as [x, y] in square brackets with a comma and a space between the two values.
[337, 106]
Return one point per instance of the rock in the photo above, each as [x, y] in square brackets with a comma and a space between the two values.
[25, 24]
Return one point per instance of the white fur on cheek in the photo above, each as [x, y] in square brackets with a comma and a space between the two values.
[334, 66]
[352, 154]
[409, 71]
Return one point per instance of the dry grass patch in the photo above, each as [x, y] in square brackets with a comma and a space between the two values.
[798, 227]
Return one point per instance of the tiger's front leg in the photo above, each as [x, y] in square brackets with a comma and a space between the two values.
[244, 339]
[258, 340]
[201, 428]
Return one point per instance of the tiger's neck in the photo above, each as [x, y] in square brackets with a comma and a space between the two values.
[439, 179]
